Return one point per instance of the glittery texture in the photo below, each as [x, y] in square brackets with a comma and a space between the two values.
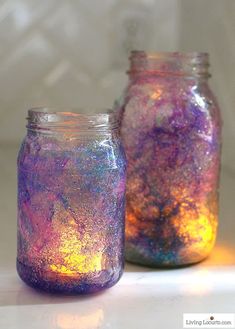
[70, 211]
[170, 127]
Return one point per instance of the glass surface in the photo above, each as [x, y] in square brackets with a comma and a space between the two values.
[170, 128]
[71, 197]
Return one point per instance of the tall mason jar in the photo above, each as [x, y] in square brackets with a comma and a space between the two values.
[171, 132]
[71, 198]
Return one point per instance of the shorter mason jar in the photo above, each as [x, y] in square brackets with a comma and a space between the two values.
[71, 202]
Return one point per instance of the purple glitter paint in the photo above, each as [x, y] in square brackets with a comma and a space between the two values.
[71, 198]
[170, 127]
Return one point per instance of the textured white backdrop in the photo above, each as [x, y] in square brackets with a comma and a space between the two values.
[75, 53]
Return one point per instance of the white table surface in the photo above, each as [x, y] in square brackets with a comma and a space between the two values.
[143, 298]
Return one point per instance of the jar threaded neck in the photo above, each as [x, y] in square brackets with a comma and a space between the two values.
[51, 120]
[191, 64]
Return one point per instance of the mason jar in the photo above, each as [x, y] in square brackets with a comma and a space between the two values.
[170, 128]
[71, 202]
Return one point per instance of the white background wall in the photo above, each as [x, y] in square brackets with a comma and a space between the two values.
[74, 53]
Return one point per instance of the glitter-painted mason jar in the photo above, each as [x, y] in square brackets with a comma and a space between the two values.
[71, 202]
[170, 128]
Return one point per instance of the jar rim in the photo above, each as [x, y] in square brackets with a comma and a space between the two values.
[185, 54]
[67, 112]
[58, 119]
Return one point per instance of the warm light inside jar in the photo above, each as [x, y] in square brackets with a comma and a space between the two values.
[71, 257]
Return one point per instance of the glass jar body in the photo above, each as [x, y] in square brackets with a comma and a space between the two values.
[71, 198]
[170, 128]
